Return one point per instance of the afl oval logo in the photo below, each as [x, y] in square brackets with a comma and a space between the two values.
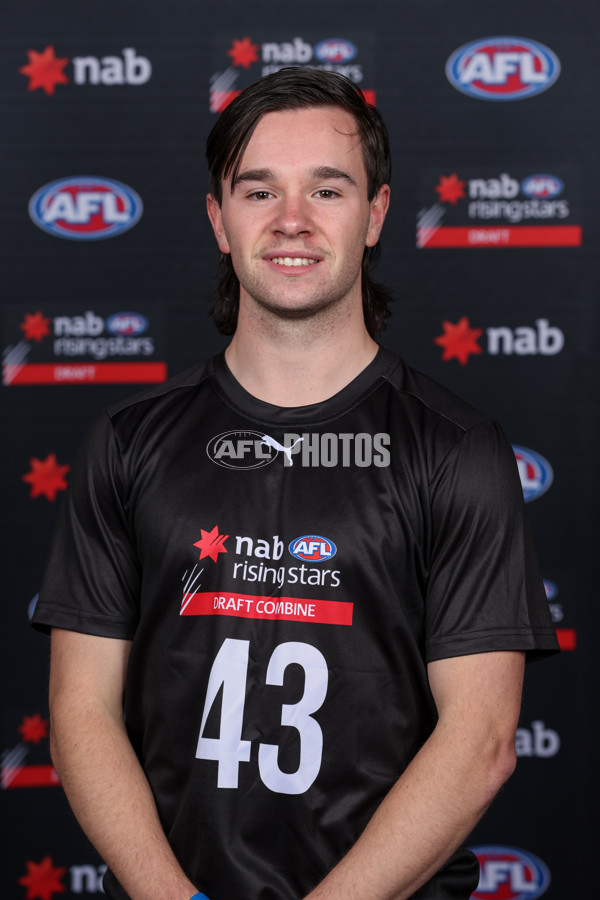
[551, 589]
[335, 50]
[508, 873]
[312, 548]
[241, 450]
[85, 208]
[535, 473]
[542, 187]
[126, 323]
[502, 68]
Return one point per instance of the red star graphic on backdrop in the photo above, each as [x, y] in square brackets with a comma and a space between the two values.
[45, 70]
[35, 326]
[451, 188]
[33, 729]
[459, 341]
[211, 543]
[243, 53]
[46, 477]
[43, 879]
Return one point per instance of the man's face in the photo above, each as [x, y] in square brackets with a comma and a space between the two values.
[298, 219]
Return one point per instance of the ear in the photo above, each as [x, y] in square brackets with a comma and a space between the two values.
[379, 208]
[216, 220]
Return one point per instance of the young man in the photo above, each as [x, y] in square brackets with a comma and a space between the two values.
[301, 568]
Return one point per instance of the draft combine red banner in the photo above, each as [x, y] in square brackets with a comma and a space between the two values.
[247, 606]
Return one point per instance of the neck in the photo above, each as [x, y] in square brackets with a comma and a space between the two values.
[298, 362]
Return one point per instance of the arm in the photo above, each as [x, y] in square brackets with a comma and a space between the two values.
[447, 787]
[99, 769]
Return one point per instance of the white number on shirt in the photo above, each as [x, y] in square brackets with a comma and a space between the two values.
[230, 670]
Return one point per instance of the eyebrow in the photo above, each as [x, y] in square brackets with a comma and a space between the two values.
[328, 173]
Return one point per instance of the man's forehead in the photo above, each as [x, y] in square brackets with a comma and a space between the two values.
[333, 122]
[321, 137]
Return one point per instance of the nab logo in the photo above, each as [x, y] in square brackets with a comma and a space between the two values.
[502, 68]
[508, 873]
[241, 450]
[535, 473]
[312, 548]
[85, 208]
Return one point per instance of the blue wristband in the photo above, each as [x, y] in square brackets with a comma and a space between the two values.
[199, 896]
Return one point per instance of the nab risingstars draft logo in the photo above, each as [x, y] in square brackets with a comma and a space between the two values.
[496, 209]
[81, 349]
[45, 70]
[460, 341]
[259, 565]
[242, 60]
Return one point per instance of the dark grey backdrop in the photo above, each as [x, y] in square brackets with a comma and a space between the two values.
[130, 101]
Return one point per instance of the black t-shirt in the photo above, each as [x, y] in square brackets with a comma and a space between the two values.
[285, 576]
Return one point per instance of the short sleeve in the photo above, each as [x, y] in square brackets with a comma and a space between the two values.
[92, 578]
[485, 591]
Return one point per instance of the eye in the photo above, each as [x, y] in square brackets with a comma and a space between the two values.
[260, 195]
[327, 194]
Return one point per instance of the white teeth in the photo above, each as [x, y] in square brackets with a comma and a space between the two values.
[297, 261]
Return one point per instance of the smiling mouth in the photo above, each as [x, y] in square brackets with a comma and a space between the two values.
[295, 262]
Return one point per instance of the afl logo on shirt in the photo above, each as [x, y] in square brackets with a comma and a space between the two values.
[241, 450]
[312, 548]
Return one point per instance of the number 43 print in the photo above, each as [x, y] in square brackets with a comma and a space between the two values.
[230, 671]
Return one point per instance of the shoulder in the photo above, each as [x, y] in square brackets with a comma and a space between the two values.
[433, 425]
[160, 403]
[163, 394]
[434, 401]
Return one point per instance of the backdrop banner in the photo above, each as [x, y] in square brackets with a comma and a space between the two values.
[491, 247]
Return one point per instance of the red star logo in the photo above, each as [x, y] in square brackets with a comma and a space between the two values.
[211, 543]
[35, 327]
[451, 189]
[243, 53]
[459, 341]
[45, 70]
[42, 880]
[33, 729]
[46, 477]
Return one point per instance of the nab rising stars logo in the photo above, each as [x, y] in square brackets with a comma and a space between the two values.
[502, 68]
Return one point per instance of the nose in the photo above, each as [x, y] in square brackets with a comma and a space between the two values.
[293, 215]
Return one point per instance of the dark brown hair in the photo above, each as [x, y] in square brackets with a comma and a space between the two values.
[297, 88]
